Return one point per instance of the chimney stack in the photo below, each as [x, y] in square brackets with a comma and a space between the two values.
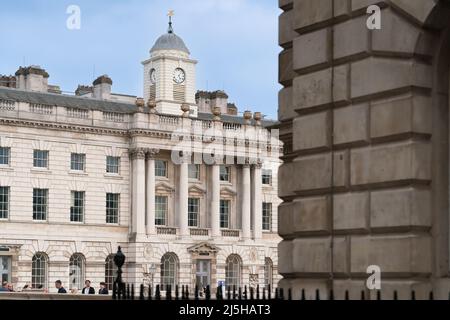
[32, 78]
[102, 88]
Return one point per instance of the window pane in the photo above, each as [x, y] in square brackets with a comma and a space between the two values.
[77, 161]
[4, 155]
[268, 273]
[193, 212]
[194, 171]
[39, 271]
[160, 168]
[112, 164]
[76, 271]
[160, 210]
[267, 177]
[112, 207]
[77, 206]
[233, 271]
[4, 202]
[224, 213]
[169, 270]
[40, 159]
[266, 216]
[40, 204]
[110, 272]
[225, 173]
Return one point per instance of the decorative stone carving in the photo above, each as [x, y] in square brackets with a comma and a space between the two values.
[148, 251]
[151, 104]
[217, 113]
[138, 153]
[253, 280]
[258, 117]
[253, 254]
[247, 117]
[152, 153]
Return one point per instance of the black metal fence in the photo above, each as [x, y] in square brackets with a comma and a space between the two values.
[127, 292]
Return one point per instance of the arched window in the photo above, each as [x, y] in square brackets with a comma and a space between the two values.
[76, 271]
[169, 270]
[39, 269]
[268, 273]
[233, 271]
[110, 271]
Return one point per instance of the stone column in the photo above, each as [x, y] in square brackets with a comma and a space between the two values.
[257, 201]
[215, 201]
[150, 193]
[138, 196]
[183, 198]
[246, 199]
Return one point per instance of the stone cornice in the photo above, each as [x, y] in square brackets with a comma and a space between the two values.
[127, 132]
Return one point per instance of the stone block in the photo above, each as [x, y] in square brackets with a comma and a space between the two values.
[364, 4]
[285, 102]
[393, 162]
[311, 12]
[341, 169]
[340, 255]
[312, 90]
[351, 38]
[398, 115]
[285, 218]
[286, 72]
[351, 124]
[286, 32]
[285, 257]
[312, 172]
[285, 173]
[403, 40]
[373, 76]
[285, 3]
[400, 208]
[311, 49]
[419, 10]
[351, 211]
[403, 254]
[341, 83]
[311, 255]
[312, 131]
[311, 215]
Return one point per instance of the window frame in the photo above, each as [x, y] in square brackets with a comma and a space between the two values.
[158, 169]
[41, 156]
[165, 212]
[222, 213]
[222, 174]
[73, 206]
[112, 213]
[5, 203]
[6, 156]
[77, 260]
[78, 160]
[42, 215]
[110, 271]
[267, 215]
[264, 176]
[197, 171]
[191, 213]
[115, 166]
[173, 263]
[233, 270]
[39, 262]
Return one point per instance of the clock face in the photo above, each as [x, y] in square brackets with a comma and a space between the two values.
[179, 76]
[153, 76]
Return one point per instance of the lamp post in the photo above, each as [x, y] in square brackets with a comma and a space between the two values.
[119, 260]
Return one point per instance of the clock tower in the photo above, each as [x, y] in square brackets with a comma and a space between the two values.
[169, 74]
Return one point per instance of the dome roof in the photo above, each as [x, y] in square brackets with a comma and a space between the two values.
[170, 41]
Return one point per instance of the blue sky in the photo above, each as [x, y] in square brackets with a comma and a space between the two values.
[235, 42]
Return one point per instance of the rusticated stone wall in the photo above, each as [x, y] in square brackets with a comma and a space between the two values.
[364, 120]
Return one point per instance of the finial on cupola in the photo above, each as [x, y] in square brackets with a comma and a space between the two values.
[170, 15]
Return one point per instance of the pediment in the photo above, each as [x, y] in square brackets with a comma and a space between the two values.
[164, 187]
[196, 189]
[228, 191]
[203, 247]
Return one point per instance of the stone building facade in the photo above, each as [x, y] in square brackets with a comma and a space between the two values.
[364, 120]
[83, 174]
